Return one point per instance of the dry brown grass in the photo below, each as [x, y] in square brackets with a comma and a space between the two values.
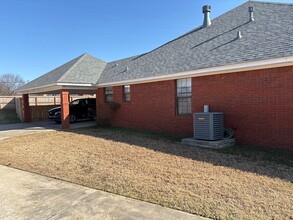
[195, 180]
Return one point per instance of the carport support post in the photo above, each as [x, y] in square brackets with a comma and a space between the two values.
[97, 106]
[26, 108]
[64, 109]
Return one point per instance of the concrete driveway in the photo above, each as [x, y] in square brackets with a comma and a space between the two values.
[9, 130]
[25, 195]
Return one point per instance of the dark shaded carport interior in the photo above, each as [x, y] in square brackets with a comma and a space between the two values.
[64, 98]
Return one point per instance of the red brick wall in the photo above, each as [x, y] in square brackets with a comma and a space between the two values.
[257, 105]
[152, 107]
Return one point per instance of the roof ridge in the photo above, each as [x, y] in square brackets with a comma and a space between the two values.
[79, 61]
[192, 31]
[48, 73]
[133, 57]
[81, 57]
[177, 38]
[89, 55]
[268, 2]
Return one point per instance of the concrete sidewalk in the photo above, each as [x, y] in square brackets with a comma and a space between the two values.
[10, 130]
[25, 195]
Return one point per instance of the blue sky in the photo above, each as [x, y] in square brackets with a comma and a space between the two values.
[39, 35]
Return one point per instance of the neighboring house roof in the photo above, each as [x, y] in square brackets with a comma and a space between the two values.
[269, 36]
[266, 42]
[84, 69]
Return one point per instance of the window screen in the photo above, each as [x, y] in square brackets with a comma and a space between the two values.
[108, 94]
[126, 93]
[183, 87]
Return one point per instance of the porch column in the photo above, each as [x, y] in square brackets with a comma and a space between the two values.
[26, 108]
[97, 106]
[64, 109]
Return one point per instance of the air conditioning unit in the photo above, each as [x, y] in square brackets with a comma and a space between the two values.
[208, 126]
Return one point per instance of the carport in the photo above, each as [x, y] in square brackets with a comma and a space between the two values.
[78, 76]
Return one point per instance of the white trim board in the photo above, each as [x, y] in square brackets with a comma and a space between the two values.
[57, 87]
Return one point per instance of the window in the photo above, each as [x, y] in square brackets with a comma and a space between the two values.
[126, 93]
[108, 94]
[183, 96]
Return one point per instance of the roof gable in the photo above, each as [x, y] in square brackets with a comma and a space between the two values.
[50, 77]
[84, 69]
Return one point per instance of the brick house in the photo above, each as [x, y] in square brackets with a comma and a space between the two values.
[240, 63]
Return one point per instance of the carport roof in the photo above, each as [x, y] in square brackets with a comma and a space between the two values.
[83, 71]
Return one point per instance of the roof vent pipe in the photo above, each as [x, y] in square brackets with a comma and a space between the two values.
[250, 10]
[206, 10]
[239, 35]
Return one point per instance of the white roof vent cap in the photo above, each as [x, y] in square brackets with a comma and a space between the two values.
[239, 35]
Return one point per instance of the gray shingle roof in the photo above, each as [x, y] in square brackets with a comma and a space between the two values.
[269, 36]
[84, 69]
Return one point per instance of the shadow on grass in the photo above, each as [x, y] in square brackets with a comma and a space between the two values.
[276, 163]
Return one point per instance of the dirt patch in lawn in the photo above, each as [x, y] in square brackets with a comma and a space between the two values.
[204, 182]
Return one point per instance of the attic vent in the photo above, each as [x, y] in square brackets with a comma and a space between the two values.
[250, 10]
[206, 10]
[239, 35]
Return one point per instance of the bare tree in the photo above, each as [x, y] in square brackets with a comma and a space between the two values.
[9, 83]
